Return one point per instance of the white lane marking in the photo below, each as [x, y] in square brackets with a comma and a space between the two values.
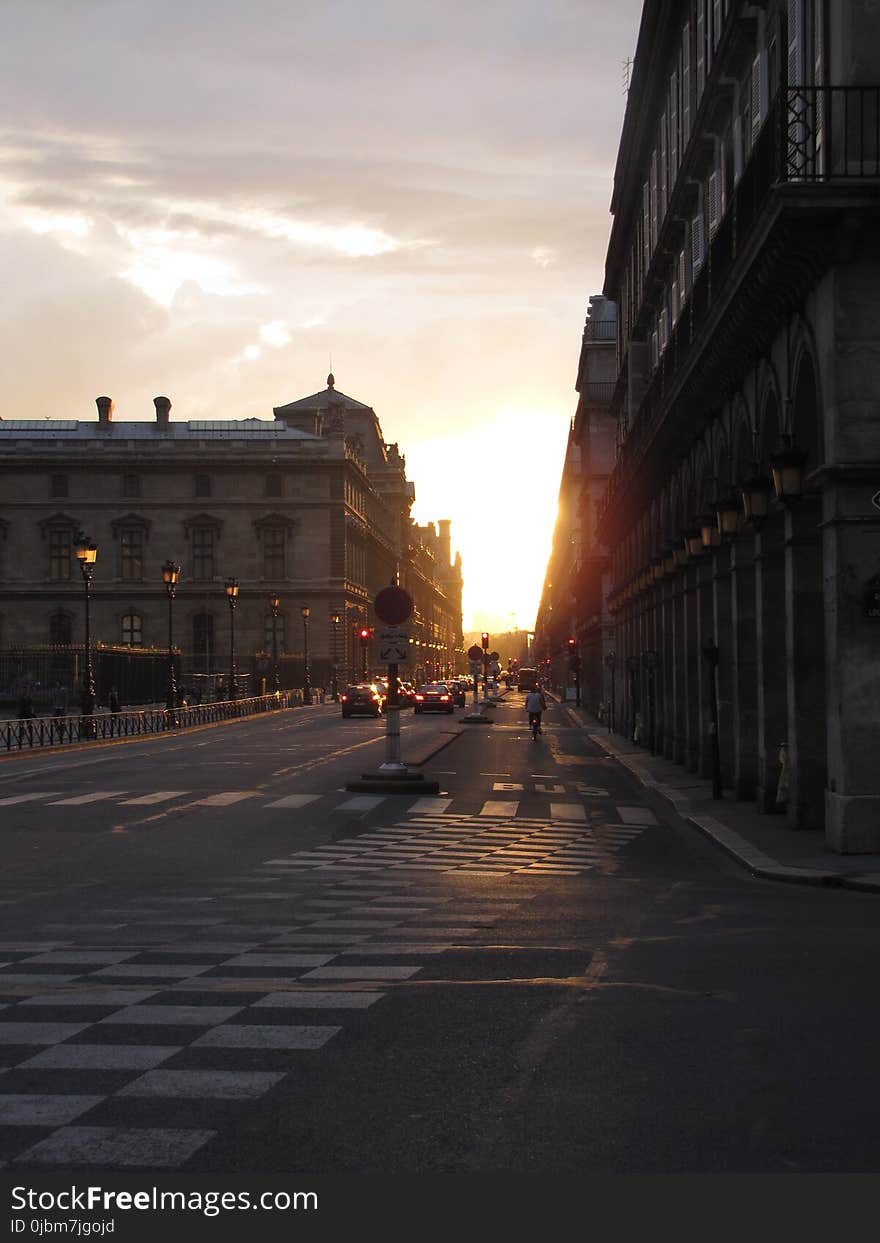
[636, 815]
[264, 1036]
[147, 800]
[548, 788]
[361, 802]
[437, 805]
[506, 785]
[226, 1085]
[80, 799]
[496, 807]
[568, 811]
[294, 800]
[313, 999]
[226, 798]
[113, 1145]
[27, 798]
[360, 973]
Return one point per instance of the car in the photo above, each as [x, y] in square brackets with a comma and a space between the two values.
[458, 691]
[362, 699]
[434, 697]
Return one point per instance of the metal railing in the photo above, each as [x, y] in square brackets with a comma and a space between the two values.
[54, 731]
[831, 133]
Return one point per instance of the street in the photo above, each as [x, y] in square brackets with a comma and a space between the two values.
[216, 959]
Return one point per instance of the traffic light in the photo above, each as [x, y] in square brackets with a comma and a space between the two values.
[574, 660]
[484, 639]
[364, 635]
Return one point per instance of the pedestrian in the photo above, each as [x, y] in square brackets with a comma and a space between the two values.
[114, 701]
[25, 707]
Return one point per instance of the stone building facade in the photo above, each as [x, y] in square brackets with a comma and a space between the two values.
[312, 506]
[741, 516]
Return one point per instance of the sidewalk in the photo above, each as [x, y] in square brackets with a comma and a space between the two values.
[762, 843]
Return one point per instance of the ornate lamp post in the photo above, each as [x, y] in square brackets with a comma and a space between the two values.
[86, 555]
[170, 576]
[232, 597]
[275, 605]
[334, 618]
[307, 672]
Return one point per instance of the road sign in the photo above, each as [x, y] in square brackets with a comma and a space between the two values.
[393, 645]
[875, 500]
[393, 606]
[475, 652]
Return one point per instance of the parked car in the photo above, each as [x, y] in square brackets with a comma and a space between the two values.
[363, 699]
[434, 697]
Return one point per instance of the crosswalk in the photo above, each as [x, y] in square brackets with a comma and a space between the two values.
[199, 1006]
[555, 801]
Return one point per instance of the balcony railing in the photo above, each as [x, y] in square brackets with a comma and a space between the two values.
[831, 133]
[599, 391]
[600, 330]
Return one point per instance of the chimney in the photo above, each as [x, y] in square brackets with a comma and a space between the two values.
[445, 542]
[105, 409]
[163, 409]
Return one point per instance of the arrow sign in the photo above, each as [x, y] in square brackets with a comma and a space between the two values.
[875, 500]
[393, 645]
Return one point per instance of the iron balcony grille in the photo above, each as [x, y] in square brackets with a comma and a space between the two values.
[831, 133]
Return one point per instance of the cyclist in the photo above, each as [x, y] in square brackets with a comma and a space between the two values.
[535, 705]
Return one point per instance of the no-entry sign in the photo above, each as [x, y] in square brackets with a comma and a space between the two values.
[475, 652]
[393, 605]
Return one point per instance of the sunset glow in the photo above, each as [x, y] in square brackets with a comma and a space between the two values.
[428, 224]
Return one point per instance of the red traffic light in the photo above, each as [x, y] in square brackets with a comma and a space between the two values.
[572, 642]
[364, 634]
[484, 638]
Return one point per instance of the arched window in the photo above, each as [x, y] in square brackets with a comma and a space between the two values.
[132, 630]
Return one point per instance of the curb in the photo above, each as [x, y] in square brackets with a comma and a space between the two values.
[749, 856]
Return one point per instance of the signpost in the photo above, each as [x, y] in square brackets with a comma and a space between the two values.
[475, 655]
[393, 606]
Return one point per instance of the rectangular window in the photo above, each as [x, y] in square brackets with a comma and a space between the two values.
[701, 48]
[132, 630]
[714, 197]
[759, 92]
[273, 552]
[697, 244]
[673, 129]
[59, 556]
[58, 485]
[202, 552]
[278, 623]
[131, 485]
[203, 485]
[132, 550]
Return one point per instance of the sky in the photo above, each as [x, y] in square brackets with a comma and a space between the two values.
[222, 201]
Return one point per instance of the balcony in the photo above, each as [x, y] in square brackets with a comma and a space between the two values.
[817, 154]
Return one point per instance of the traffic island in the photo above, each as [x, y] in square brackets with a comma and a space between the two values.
[402, 782]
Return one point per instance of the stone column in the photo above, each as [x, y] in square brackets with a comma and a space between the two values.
[692, 659]
[677, 750]
[805, 666]
[705, 632]
[745, 666]
[772, 684]
[724, 636]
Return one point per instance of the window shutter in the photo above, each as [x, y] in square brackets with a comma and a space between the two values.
[655, 353]
[796, 75]
[701, 47]
[682, 276]
[759, 92]
[697, 244]
[717, 22]
[714, 201]
[673, 301]
[664, 329]
[655, 215]
[663, 185]
[737, 148]
[673, 128]
[685, 86]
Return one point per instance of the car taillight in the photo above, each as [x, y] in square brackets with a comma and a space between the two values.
[344, 698]
[420, 697]
[444, 698]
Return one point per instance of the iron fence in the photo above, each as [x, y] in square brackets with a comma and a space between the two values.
[54, 731]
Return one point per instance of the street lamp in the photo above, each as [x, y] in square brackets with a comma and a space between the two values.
[307, 679]
[86, 555]
[334, 618]
[170, 576]
[275, 605]
[232, 597]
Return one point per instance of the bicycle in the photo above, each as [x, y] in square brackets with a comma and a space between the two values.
[535, 723]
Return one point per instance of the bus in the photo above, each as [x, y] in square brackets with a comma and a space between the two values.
[527, 680]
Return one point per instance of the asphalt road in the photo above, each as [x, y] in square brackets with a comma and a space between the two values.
[215, 959]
